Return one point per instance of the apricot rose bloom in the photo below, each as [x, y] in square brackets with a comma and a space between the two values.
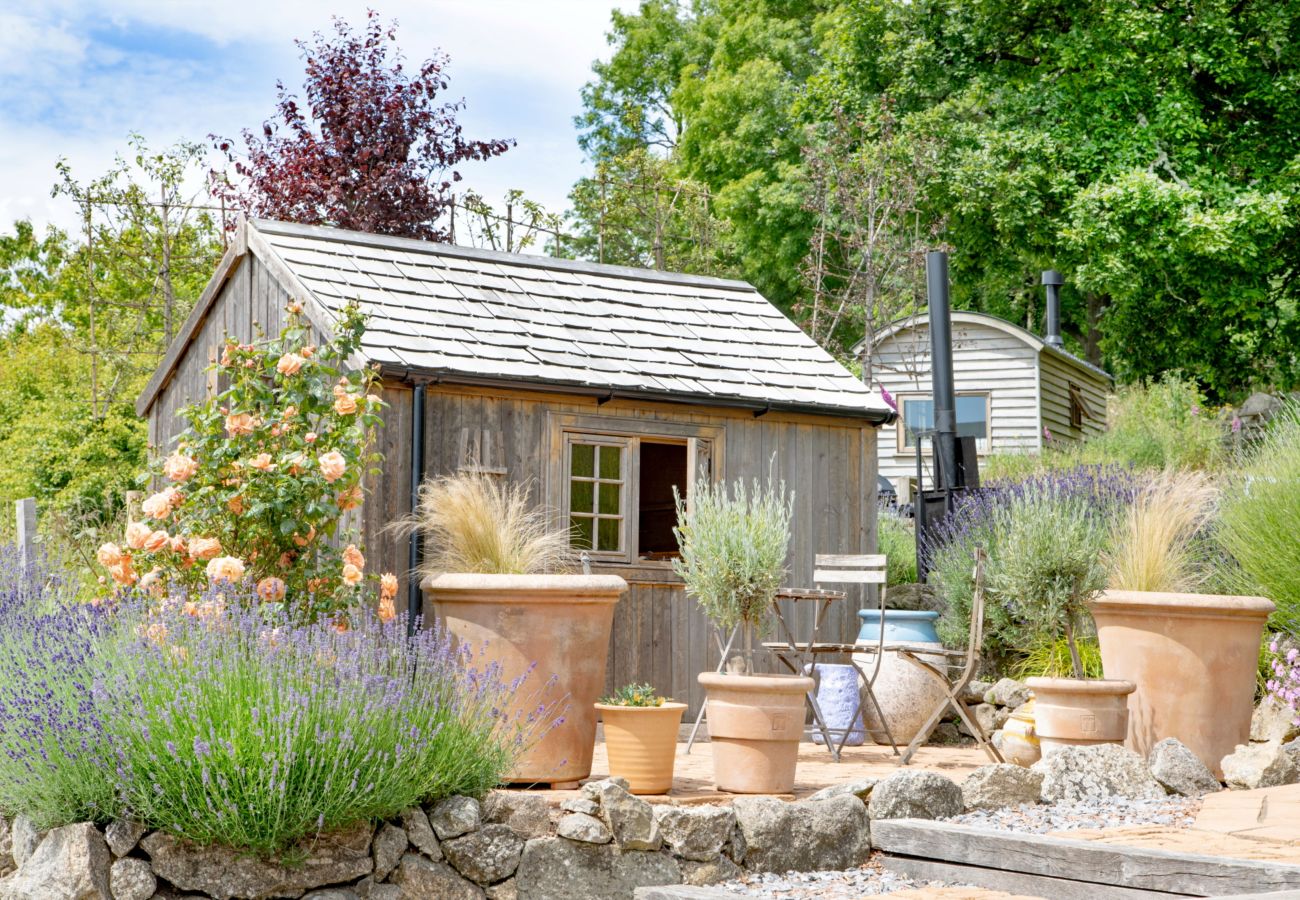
[345, 405]
[179, 467]
[239, 423]
[159, 506]
[350, 499]
[261, 462]
[333, 466]
[270, 589]
[387, 611]
[388, 586]
[136, 534]
[352, 556]
[351, 575]
[289, 364]
[225, 568]
[304, 541]
[109, 554]
[122, 573]
[205, 548]
[157, 540]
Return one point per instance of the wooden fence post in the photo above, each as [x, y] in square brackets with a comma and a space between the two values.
[26, 512]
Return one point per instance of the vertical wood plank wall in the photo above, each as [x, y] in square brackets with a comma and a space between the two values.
[659, 636]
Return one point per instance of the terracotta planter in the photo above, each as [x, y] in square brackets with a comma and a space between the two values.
[1193, 658]
[558, 624]
[755, 725]
[1072, 712]
[642, 744]
[1020, 737]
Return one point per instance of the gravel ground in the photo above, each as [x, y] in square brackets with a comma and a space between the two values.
[867, 881]
[1038, 818]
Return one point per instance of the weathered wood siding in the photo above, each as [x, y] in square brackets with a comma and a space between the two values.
[985, 359]
[1057, 375]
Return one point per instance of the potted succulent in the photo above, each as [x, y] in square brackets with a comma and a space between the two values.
[733, 548]
[641, 737]
[1047, 569]
[496, 576]
[1193, 656]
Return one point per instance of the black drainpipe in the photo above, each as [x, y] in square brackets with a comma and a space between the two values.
[414, 596]
[942, 391]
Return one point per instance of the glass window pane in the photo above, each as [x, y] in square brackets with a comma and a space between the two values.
[972, 420]
[581, 499]
[918, 415]
[608, 534]
[609, 497]
[581, 531]
[583, 462]
[611, 459]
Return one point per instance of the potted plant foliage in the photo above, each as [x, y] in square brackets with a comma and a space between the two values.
[1047, 569]
[497, 578]
[641, 737]
[1193, 656]
[733, 549]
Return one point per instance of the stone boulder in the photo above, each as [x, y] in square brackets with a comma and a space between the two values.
[132, 879]
[1099, 772]
[506, 890]
[860, 789]
[581, 805]
[1180, 770]
[584, 829]
[1260, 765]
[553, 867]
[420, 833]
[1273, 721]
[389, 845]
[24, 837]
[630, 819]
[1007, 692]
[70, 863]
[975, 690]
[455, 816]
[420, 877]
[6, 847]
[775, 836]
[702, 874]
[907, 794]
[123, 836]
[986, 715]
[697, 833]
[225, 874]
[528, 815]
[1001, 785]
[915, 596]
[485, 856]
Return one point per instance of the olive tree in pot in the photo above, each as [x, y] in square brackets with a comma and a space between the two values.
[1047, 568]
[641, 737]
[733, 549]
[497, 577]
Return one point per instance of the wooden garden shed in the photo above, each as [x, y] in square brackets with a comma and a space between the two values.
[599, 387]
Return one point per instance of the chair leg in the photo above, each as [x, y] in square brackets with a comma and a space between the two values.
[924, 733]
[985, 742]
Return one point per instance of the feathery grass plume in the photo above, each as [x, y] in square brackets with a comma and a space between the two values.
[477, 524]
[1156, 545]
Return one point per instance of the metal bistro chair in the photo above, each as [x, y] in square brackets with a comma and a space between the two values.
[954, 672]
[795, 654]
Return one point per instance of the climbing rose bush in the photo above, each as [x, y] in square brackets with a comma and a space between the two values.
[255, 488]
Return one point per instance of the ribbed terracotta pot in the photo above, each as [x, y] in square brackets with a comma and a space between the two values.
[641, 742]
[1193, 658]
[755, 725]
[1075, 712]
[558, 627]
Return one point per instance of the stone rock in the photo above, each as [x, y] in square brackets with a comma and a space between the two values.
[1001, 785]
[6, 847]
[1007, 692]
[1273, 721]
[131, 879]
[552, 867]
[592, 789]
[123, 835]
[389, 845]
[420, 833]
[455, 816]
[915, 795]
[487, 855]
[1099, 772]
[223, 873]
[369, 889]
[527, 814]
[975, 691]
[715, 871]
[584, 828]
[506, 890]
[422, 879]
[697, 833]
[860, 789]
[803, 837]
[630, 819]
[985, 715]
[1260, 765]
[70, 863]
[581, 805]
[915, 596]
[1180, 770]
[946, 733]
[24, 836]
[328, 894]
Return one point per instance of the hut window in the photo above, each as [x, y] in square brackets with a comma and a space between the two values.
[598, 494]
[1079, 409]
[661, 468]
[918, 416]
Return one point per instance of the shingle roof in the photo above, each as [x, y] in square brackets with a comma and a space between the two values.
[444, 310]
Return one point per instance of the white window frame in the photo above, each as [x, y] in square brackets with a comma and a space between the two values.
[982, 447]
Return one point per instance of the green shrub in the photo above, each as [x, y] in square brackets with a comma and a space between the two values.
[1160, 425]
[897, 540]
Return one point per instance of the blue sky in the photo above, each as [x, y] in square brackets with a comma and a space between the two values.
[76, 77]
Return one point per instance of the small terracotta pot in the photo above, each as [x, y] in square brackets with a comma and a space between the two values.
[1193, 658]
[1020, 737]
[554, 631]
[1073, 712]
[755, 725]
[642, 744]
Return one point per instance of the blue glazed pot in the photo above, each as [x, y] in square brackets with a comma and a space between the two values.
[837, 696]
[902, 626]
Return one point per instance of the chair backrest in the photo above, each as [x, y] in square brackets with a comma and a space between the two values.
[975, 640]
[851, 568]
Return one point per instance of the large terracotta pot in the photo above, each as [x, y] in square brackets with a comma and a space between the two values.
[642, 744]
[1193, 658]
[1073, 712]
[755, 725]
[906, 694]
[544, 627]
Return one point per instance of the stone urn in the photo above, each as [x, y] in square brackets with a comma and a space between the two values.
[641, 742]
[755, 726]
[1020, 737]
[552, 630]
[907, 695]
[1193, 658]
[1079, 712]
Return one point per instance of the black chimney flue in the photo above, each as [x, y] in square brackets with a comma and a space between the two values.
[1052, 280]
[941, 379]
